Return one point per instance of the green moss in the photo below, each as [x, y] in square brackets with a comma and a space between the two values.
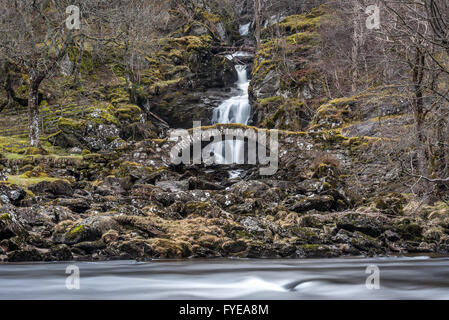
[437, 210]
[5, 217]
[25, 181]
[197, 207]
[161, 85]
[187, 43]
[343, 101]
[241, 234]
[75, 231]
[263, 67]
[287, 115]
[102, 113]
[14, 144]
[305, 39]
[118, 95]
[174, 72]
[311, 247]
[210, 17]
[270, 101]
[87, 63]
[409, 230]
[127, 167]
[334, 114]
[72, 125]
[128, 112]
[299, 23]
[33, 174]
[329, 137]
[391, 203]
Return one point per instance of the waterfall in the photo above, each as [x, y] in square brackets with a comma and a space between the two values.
[233, 110]
[244, 29]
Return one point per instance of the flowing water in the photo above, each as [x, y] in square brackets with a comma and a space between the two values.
[400, 278]
[233, 110]
[236, 109]
[244, 29]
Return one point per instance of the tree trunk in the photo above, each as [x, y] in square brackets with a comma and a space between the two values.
[128, 63]
[79, 59]
[257, 22]
[418, 113]
[33, 112]
[356, 43]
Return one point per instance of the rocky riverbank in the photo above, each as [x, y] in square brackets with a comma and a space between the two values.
[135, 211]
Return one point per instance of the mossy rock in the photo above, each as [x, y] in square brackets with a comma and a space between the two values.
[334, 114]
[137, 131]
[197, 207]
[37, 172]
[87, 62]
[102, 113]
[326, 170]
[298, 23]
[118, 95]
[409, 230]
[392, 203]
[5, 217]
[165, 248]
[128, 113]
[72, 126]
[317, 251]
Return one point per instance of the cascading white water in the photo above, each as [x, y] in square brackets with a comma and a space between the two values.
[233, 110]
[236, 109]
[244, 29]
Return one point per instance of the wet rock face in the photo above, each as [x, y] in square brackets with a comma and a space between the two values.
[196, 100]
[269, 86]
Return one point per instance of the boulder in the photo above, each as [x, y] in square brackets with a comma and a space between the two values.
[313, 202]
[26, 255]
[173, 186]
[89, 229]
[78, 205]
[234, 246]
[56, 188]
[61, 252]
[364, 224]
[11, 193]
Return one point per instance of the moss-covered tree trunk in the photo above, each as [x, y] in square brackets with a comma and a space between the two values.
[33, 110]
[77, 70]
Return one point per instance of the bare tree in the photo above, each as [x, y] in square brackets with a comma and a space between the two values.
[257, 21]
[415, 34]
[35, 39]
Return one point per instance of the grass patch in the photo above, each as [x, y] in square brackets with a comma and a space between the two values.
[23, 181]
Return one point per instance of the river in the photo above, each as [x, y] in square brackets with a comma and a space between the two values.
[399, 278]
